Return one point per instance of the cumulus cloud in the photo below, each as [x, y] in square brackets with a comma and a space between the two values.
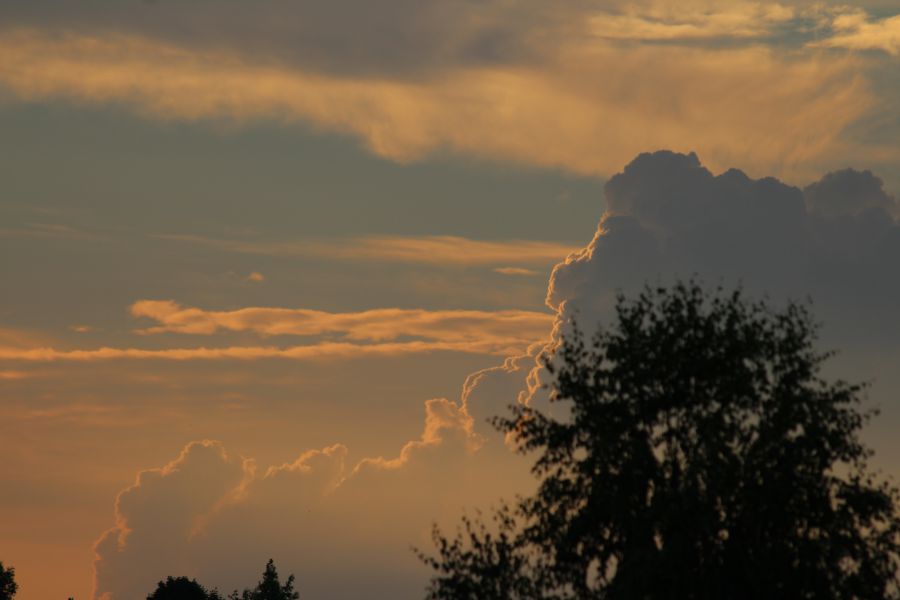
[668, 216]
[164, 506]
[214, 516]
[848, 192]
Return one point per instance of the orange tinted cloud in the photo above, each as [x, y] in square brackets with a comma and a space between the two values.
[854, 30]
[658, 21]
[370, 325]
[313, 352]
[442, 417]
[588, 106]
[515, 271]
[312, 511]
[14, 375]
[433, 250]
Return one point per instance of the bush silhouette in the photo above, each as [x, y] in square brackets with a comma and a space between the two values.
[182, 588]
[704, 457]
[8, 586]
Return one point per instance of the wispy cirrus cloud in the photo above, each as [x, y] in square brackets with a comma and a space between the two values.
[515, 271]
[313, 352]
[387, 332]
[377, 325]
[10, 375]
[50, 231]
[431, 250]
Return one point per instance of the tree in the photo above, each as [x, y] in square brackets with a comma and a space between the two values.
[8, 585]
[182, 588]
[269, 587]
[704, 457]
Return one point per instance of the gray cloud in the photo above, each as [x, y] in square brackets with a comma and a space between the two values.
[394, 37]
[409, 37]
[836, 241]
[848, 192]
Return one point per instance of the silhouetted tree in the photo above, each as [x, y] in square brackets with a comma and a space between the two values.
[269, 587]
[182, 588]
[703, 457]
[8, 586]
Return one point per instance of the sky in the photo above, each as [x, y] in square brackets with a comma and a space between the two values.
[268, 268]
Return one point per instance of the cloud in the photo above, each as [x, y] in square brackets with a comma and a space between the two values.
[160, 511]
[854, 30]
[213, 516]
[515, 271]
[314, 352]
[689, 21]
[580, 107]
[835, 241]
[441, 250]
[51, 231]
[255, 277]
[10, 375]
[375, 333]
[378, 325]
[848, 192]
[403, 38]
[15, 338]
[668, 216]
[441, 418]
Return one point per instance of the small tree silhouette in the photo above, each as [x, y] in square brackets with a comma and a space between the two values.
[269, 587]
[704, 457]
[8, 586]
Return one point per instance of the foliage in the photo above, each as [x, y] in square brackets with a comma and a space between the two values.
[8, 586]
[704, 456]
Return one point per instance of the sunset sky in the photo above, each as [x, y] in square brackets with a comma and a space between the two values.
[266, 268]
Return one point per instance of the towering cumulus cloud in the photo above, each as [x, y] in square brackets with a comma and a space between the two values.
[345, 527]
[837, 241]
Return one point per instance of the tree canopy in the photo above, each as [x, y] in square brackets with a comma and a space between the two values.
[703, 456]
[8, 586]
[182, 588]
